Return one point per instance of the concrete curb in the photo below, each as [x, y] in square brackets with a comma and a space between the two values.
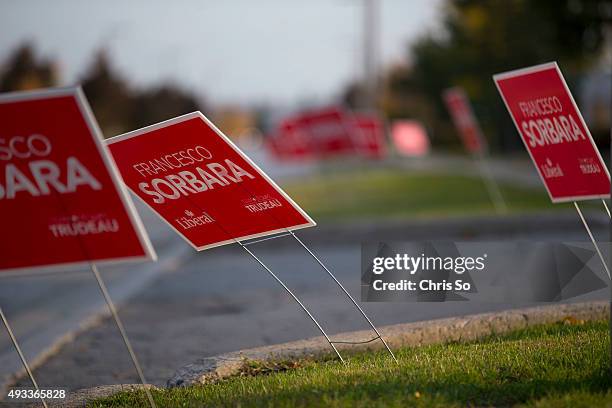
[464, 328]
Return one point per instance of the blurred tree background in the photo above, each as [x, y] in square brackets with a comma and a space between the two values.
[480, 38]
[118, 107]
[24, 71]
[474, 39]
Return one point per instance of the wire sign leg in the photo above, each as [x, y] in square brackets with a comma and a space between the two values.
[21, 356]
[492, 187]
[610, 216]
[605, 264]
[346, 292]
[606, 207]
[294, 297]
[128, 345]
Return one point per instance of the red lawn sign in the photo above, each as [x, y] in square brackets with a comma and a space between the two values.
[463, 117]
[317, 134]
[554, 133]
[61, 199]
[329, 132]
[289, 143]
[370, 135]
[202, 185]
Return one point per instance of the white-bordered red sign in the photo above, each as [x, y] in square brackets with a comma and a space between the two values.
[369, 137]
[61, 199]
[202, 185]
[554, 133]
[464, 120]
[321, 133]
[290, 143]
[329, 131]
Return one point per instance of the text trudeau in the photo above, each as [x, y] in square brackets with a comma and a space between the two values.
[206, 176]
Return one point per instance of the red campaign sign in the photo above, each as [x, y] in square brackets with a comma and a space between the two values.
[328, 132]
[61, 201]
[370, 135]
[202, 185]
[410, 138]
[290, 142]
[277, 147]
[554, 133]
[459, 107]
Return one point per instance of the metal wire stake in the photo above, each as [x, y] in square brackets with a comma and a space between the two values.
[606, 207]
[492, 187]
[605, 264]
[294, 297]
[128, 345]
[21, 356]
[346, 292]
[257, 241]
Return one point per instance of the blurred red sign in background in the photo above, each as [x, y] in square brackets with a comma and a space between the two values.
[201, 184]
[329, 133]
[290, 142]
[61, 199]
[554, 133]
[410, 138]
[370, 138]
[461, 112]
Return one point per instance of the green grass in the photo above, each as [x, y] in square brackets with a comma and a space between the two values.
[556, 365]
[388, 193]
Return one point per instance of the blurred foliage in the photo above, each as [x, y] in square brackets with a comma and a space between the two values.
[24, 71]
[118, 107]
[480, 38]
[109, 96]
